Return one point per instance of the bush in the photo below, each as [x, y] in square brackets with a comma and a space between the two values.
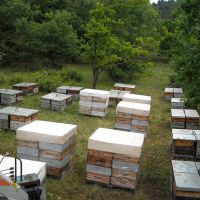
[71, 75]
[16, 79]
[48, 80]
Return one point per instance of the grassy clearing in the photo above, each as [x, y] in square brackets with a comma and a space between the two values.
[154, 180]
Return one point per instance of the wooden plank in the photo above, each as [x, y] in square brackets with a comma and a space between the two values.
[124, 115]
[98, 178]
[99, 158]
[98, 170]
[127, 166]
[124, 174]
[19, 118]
[27, 151]
[26, 143]
[125, 158]
[184, 143]
[123, 182]
[99, 99]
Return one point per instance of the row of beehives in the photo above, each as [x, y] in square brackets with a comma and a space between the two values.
[113, 156]
[185, 179]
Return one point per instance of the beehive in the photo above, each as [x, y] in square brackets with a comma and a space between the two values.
[12, 118]
[135, 98]
[29, 167]
[184, 143]
[178, 118]
[56, 102]
[185, 181]
[177, 103]
[132, 116]
[94, 102]
[50, 142]
[114, 158]
[27, 88]
[192, 119]
[125, 87]
[116, 96]
[8, 97]
[71, 90]
[173, 93]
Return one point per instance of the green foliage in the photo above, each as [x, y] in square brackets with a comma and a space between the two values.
[16, 79]
[165, 8]
[71, 75]
[186, 51]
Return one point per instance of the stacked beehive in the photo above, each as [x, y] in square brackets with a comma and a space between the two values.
[184, 143]
[55, 101]
[184, 118]
[191, 119]
[173, 92]
[185, 181]
[29, 167]
[114, 158]
[94, 102]
[177, 103]
[135, 98]
[125, 87]
[197, 134]
[8, 96]
[132, 116]
[71, 90]
[50, 142]
[12, 118]
[116, 96]
[27, 88]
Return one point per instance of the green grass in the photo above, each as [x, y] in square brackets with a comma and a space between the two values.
[155, 165]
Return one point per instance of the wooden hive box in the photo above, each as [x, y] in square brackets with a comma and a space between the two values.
[185, 182]
[125, 87]
[135, 98]
[113, 97]
[192, 119]
[178, 92]
[8, 97]
[132, 116]
[94, 102]
[177, 103]
[169, 93]
[56, 101]
[71, 90]
[50, 142]
[184, 143]
[114, 158]
[26, 88]
[12, 118]
[197, 134]
[29, 167]
[177, 118]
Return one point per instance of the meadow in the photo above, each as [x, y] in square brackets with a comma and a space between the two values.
[156, 159]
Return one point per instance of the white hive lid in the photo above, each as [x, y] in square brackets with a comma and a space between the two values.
[44, 131]
[114, 141]
[184, 166]
[56, 96]
[178, 90]
[191, 113]
[176, 113]
[134, 108]
[169, 90]
[183, 131]
[95, 93]
[136, 97]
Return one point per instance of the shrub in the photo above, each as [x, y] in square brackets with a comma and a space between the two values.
[71, 75]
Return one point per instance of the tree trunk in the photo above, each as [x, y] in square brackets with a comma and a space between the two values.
[95, 77]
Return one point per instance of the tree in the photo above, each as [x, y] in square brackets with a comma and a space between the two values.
[98, 50]
[186, 58]
[53, 40]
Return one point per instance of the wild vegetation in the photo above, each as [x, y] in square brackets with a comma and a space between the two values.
[95, 43]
